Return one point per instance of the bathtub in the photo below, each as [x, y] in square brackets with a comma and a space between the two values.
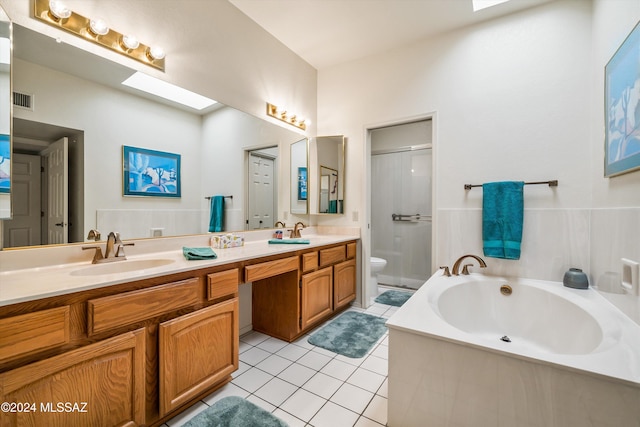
[479, 350]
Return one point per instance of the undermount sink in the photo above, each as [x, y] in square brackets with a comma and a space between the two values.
[116, 267]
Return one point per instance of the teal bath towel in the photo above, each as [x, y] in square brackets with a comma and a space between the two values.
[216, 218]
[502, 216]
[194, 254]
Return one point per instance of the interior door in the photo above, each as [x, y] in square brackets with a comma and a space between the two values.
[261, 206]
[55, 158]
[24, 228]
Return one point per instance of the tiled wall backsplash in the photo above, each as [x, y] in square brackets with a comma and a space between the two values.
[553, 241]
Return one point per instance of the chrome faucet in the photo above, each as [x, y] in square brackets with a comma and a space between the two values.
[295, 233]
[465, 268]
[114, 249]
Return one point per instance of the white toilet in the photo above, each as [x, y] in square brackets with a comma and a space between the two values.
[377, 265]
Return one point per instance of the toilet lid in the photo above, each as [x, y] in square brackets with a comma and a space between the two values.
[375, 260]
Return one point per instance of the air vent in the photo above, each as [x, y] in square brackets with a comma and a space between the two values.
[23, 100]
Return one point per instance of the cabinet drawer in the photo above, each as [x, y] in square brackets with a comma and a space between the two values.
[351, 250]
[222, 284]
[130, 307]
[309, 261]
[270, 268]
[33, 332]
[332, 255]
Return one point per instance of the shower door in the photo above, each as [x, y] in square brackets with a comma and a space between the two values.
[401, 216]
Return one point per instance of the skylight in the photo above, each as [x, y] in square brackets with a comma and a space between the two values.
[168, 91]
[483, 4]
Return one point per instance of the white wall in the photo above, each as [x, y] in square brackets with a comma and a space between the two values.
[514, 99]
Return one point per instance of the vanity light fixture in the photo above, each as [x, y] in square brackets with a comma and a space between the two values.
[57, 14]
[283, 115]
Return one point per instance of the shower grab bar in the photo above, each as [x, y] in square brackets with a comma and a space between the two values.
[410, 218]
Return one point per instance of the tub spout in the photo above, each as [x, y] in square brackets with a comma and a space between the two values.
[456, 265]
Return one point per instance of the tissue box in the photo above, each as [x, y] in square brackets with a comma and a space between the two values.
[226, 241]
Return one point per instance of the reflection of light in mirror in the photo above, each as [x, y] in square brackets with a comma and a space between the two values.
[168, 91]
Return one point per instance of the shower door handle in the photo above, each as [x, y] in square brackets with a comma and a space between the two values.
[410, 218]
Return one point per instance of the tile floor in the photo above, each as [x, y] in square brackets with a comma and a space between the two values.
[305, 385]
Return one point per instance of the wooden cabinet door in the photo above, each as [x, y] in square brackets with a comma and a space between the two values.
[196, 351]
[344, 283]
[102, 384]
[316, 296]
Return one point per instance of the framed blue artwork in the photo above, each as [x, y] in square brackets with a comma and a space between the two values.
[622, 108]
[150, 173]
[5, 164]
[302, 183]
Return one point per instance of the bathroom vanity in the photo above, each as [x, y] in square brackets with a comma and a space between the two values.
[78, 348]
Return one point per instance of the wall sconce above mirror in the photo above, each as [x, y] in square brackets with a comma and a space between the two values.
[57, 14]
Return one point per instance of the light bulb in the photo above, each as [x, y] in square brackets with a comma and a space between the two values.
[154, 53]
[59, 10]
[130, 42]
[98, 27]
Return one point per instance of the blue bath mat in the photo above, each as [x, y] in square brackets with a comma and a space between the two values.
[352, 334]
[233, 411]
[394, 298]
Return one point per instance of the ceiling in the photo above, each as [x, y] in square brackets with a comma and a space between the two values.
[330, 32]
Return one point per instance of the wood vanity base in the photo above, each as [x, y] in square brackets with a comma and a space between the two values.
[139, 353]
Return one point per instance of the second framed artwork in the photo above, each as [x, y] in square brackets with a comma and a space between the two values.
[150, 172]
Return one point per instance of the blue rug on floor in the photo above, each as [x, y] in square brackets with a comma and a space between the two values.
[352, 334]
[233, 411]
[394, 298]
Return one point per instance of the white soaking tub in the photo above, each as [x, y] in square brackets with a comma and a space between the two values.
[491, 351]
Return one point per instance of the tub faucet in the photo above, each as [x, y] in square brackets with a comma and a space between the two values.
[456, 265]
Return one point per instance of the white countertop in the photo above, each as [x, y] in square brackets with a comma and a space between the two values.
[32, 283]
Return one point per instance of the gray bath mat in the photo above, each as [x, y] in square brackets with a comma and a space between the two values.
[233, 411]
[352, 334]
[394, 298]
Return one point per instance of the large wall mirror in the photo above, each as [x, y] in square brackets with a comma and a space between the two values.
[75, 100]
[329, 158]
[5, 115]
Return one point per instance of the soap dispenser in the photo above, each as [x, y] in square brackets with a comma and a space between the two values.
[575, 278]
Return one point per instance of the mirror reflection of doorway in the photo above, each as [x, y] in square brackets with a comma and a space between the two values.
[262, 195]
[328, 190]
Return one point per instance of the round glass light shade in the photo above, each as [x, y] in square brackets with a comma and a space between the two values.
[59, 10]
[98, 27]
[156, 53]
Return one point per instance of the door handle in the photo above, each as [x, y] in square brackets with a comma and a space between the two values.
[60, 224]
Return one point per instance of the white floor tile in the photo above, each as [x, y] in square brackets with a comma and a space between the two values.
[352, 397]
[351, 360]
[332, 415]
[276, 391]
[254, 355]
[366, 379]
[261, 403]
[297, 374]
[384, 389]
[242, 367]
[274, 364]
[314, 360]
[229, 389]
[381, 351]
[252, 380]
[185, 416]
[376, 364]
[289, 419]
[302, 342]
[322, 385]
[243, 347]
[292, 352]
[272, 345]
[338, 369]
[377, 410]
[324, 351]
[303, 404]
[366, 422]
[254, 338]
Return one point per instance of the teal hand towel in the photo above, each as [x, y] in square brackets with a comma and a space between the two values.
[216, 214]
[289, 241]
[193, 254]
[502, 217]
